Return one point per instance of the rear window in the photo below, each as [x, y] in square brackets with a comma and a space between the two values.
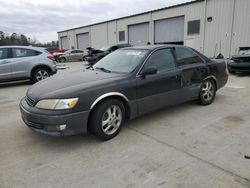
[3, 53]
[22, 52]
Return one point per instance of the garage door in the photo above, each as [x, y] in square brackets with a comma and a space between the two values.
[169, 30]
[82, 41]
[138, 34]
[64, 43]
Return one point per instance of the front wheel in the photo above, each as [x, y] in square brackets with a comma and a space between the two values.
[207, 92]
[107, 119]
[62, 59]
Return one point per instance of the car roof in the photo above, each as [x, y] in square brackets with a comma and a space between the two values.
[26, 47]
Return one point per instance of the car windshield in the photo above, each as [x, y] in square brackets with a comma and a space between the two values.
[105, 48]
[121, 61]
[247, 52]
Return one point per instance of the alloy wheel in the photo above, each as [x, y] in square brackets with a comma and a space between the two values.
[207, 91]
[41, 74]
[111, 119]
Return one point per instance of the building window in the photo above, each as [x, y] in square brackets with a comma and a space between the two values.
[194, 27]
[121, 35]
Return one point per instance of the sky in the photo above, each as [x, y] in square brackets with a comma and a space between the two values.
[42, 19]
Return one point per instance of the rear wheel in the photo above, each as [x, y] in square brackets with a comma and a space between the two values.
[40, 74]
[107, 119]
[207, 92]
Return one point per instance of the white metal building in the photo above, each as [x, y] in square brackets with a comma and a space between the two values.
[209, 26]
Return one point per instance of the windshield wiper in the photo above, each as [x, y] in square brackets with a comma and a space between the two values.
[103, 69]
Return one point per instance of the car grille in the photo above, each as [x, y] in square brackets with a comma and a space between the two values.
[30, 101]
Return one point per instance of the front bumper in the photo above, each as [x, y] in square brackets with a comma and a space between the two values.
[76, 123]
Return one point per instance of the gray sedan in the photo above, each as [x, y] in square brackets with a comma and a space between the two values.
[25, 62]
[71, 55]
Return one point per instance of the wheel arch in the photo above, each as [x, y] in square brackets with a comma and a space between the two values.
[113, 95]
[212, 78]
[40, 66]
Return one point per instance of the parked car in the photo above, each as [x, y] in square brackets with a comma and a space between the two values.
[240, 63]
[71, 55]
[53, 50]
[25, 62]
[96, 55]
[123, 85]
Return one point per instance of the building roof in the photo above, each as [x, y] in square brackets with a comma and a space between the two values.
[151, 11]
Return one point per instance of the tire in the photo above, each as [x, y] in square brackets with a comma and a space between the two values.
[40, 74]
[107, 118]
[62, 59]
[207, 92]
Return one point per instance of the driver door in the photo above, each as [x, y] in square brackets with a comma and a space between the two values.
[161, 89]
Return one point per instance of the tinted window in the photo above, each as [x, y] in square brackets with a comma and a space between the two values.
[162, 60]
[21, 52]
[3, 53]
[186, 56]
[194, 27]
[121, 35]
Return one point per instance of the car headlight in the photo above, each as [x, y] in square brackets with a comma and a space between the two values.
[57, 104]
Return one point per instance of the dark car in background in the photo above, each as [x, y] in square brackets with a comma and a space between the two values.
[123, 85]
[95, 55]
[240, 63]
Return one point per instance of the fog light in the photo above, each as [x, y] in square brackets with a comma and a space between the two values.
[62, 127]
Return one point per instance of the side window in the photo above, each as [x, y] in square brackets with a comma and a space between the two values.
[3, 53]
[185, 56]
[162, 60]
[21, 52]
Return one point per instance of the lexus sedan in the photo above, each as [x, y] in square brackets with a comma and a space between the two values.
[25, 62]
[127, 83]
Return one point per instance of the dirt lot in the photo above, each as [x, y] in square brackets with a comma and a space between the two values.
[184, 146]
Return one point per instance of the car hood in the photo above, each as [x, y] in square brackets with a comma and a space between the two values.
[71, 84]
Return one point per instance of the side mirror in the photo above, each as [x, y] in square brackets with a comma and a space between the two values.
[149, 71]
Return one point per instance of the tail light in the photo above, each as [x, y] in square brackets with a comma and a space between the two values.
[51, 57]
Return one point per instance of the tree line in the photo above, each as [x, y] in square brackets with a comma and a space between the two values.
[21, 39]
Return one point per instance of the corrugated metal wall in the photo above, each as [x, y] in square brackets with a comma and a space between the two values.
[241, 26]
[228, 30]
